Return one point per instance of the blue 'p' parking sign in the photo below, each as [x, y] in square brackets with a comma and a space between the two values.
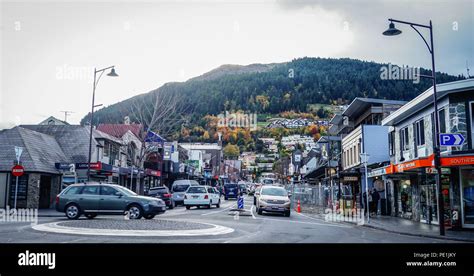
[451, 139]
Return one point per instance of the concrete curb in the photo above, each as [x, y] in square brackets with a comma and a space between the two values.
[417, 234]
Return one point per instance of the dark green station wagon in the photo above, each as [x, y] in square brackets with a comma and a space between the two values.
[92, 199]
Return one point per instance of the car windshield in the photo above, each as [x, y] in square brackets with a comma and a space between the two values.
[180, 188]
[274, 191]
[196, 190]
[267, 181]
[126, 191]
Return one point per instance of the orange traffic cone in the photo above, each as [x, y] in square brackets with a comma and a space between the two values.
[298, 207]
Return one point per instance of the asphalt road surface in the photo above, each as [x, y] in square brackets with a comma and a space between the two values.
[253, 228]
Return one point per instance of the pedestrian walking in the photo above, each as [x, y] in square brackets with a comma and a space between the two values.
[375, 200]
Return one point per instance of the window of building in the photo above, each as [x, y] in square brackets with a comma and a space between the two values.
[106, 149]
[442, 120]
[472, 124]
[420, 132]
[391, 143]
[404, 143]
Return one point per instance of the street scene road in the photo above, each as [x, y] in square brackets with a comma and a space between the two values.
[248, 228]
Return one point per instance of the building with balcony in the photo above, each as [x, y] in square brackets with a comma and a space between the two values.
[360, 129]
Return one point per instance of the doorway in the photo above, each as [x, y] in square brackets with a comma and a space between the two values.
[45, 192]
[467, 197]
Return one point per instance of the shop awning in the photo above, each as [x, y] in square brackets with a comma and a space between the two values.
[428, 162]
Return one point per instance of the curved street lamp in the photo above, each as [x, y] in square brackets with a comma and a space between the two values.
[391, 31]
[112, 73]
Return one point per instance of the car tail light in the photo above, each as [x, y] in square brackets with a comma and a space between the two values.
[57, 199]
[206, 197]
[167, 195]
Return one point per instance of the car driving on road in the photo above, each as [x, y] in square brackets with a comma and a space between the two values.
[273, 199]
[94, 198]
[178, 189]
[163, 193]
[202, 196]
[231, 191]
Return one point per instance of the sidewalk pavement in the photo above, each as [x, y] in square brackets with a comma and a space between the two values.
[403, 226]
[413, 228]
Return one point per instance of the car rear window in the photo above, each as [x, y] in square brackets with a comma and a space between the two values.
[232, 186]
[180, 188]
[196, 190]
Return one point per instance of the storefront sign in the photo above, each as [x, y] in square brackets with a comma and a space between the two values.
[350, 178]
[420, 163]
[93, 166]
[377, 172]
[457, 161]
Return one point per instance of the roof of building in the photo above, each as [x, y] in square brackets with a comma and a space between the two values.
[426, 98]
[360, 105]
[40, 151]
[73, 139]
[56, 121]
[118, 130]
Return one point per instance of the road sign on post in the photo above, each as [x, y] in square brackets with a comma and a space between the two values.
[451, 139]
[18, 152]
[18, 170]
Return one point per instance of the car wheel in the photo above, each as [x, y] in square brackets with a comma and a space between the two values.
[91, 215]
[135, 212]
[73, 211]
[287, 213]
[188, 207]
[218, 205]
[149, 216]
[172, 205]
[226, 198]
[259, 211]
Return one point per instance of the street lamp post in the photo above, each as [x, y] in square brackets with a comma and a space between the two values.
[365, 159]
[96, 81]
[391, 31]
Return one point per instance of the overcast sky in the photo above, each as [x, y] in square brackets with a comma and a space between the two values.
[49, 50]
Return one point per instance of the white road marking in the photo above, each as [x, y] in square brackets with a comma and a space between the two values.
[53, 227]
[215, 212]
[251, 211]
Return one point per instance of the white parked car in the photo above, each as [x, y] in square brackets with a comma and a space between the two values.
[202, 196]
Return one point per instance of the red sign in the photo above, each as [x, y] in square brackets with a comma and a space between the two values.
[152, 172]
[18, 170]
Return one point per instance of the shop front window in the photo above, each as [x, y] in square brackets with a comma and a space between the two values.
[405, 199]
[467, 189]
[428, 201]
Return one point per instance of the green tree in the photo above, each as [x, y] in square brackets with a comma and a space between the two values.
[231, 151]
